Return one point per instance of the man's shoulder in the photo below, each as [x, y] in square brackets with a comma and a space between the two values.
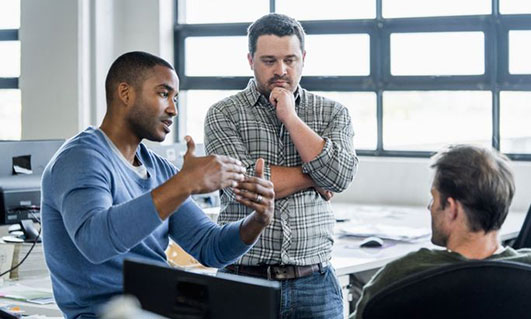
[235, 101]
[86, 147]
[419, 260]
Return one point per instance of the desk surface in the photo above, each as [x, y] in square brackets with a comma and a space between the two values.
[349, 258]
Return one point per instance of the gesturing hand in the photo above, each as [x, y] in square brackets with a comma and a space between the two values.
[209, 173]
[258, 194]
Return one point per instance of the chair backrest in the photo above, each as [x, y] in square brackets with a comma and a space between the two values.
[475, 289]
[524, 237]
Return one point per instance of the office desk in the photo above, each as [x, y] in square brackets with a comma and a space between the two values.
[349, 259]
[48, 310]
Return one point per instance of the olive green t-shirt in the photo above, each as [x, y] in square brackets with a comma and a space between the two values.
[421, 260]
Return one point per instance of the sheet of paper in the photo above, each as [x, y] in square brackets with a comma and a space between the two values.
[28, 294]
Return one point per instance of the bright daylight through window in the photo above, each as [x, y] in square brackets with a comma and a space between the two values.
[10, 99]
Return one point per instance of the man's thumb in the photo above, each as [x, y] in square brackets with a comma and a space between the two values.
[190, 146]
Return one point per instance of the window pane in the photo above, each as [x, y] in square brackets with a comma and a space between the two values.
[515, 115]
[209, 11]
[9, 14]
[331, 9]
[9, 59]
[515, 6]
[341, 54]
[10, 115]
[437, 53]
[426, 121]
[196, 104]
[423, 8]
[362, 109]
[230, 57]
[519, 52]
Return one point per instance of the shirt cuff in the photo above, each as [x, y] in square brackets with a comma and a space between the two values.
[320, 160]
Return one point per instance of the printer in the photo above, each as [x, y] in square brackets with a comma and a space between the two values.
[21, 166]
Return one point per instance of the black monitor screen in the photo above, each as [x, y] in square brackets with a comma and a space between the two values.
[176, 293]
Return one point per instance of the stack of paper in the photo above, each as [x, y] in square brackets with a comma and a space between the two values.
[387, 231]
[28, 294]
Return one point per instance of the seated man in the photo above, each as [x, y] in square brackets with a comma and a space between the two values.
[106, 197]
[471, 193]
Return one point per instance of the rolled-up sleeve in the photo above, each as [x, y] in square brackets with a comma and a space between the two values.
[335, 167]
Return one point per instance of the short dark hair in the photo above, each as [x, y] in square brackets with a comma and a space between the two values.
[275, 24]
[130, 67]
[479, 178]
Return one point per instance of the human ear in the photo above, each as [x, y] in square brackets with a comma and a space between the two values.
[453, 208]
[126, 93]
[250, 59]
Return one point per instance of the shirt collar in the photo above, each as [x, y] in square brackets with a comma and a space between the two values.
[254, 96]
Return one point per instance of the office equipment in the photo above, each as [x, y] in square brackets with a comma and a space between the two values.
[524, 236]
[175, 293]
[21, 167]
[475, 289]
[372, 242]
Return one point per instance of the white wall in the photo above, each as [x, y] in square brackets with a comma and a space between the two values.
[68, 46]
[407, 181]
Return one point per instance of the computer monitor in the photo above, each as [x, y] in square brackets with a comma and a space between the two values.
[21, 166]
[176, 293]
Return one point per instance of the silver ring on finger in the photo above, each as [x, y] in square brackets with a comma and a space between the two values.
[258, 198]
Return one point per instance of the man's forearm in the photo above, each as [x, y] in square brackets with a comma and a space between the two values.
[289, 180]
[168, 196]
[251, 228]
[308, 143]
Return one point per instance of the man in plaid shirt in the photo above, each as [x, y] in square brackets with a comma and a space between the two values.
[307, 144]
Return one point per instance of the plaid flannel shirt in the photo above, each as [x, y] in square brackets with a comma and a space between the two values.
[245, 126]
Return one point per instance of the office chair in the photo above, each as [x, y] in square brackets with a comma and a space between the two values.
[475, 289]
[524, 236]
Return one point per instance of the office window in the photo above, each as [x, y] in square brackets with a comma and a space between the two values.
[362, 109]
[10, 61]
[515, 109]
[9, 14]
[329, 10]
[338, 54]
[209, 11]
[10, 101]
[428, 120]
[402, 67]
[10, 112]
[424, 8]
[216, 56]
[198, 102]
[515, 6]
[520, 52]
[437, 53]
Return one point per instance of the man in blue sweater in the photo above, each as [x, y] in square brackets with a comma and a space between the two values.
[106, 197]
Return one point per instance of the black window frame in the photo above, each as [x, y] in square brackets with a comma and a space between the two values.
[496, 77]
